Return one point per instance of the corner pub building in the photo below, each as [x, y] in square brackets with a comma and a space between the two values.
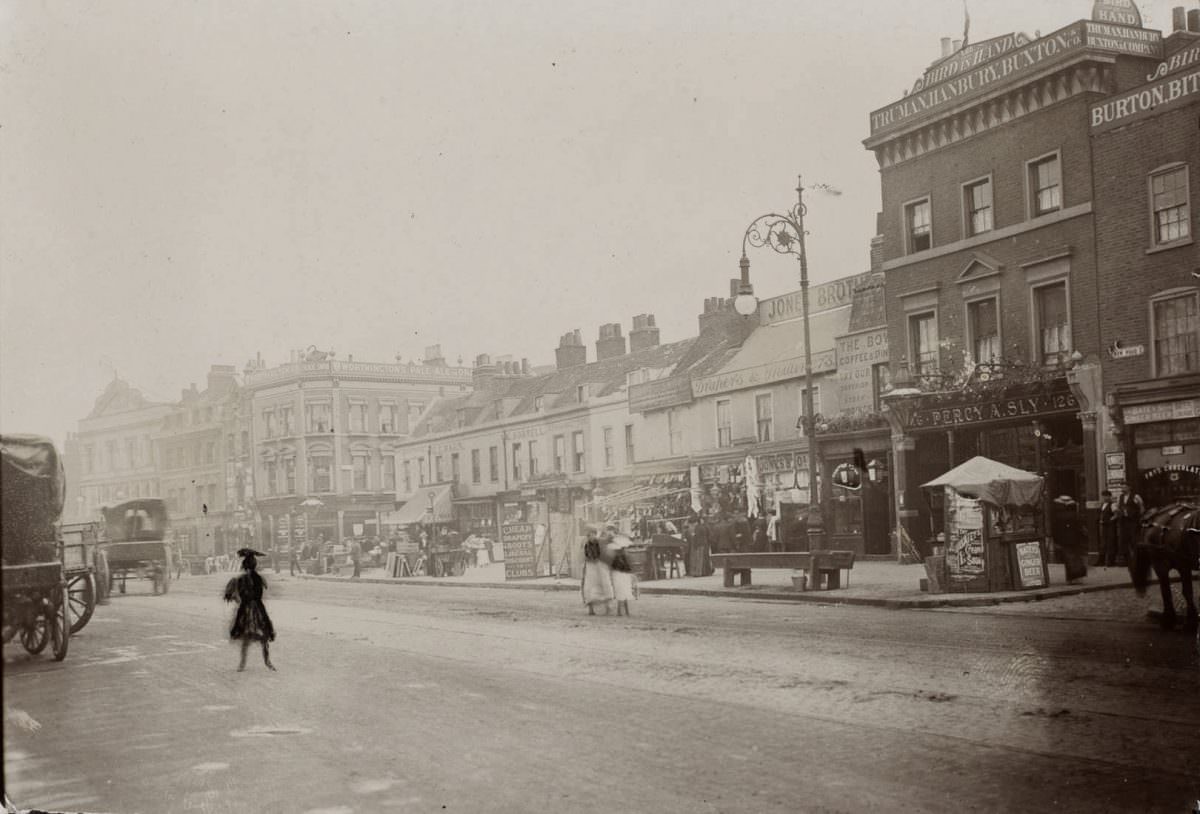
[989, 256]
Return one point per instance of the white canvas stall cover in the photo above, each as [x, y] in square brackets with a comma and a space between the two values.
[992, 482]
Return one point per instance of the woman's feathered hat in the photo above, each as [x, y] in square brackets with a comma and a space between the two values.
[249, 552]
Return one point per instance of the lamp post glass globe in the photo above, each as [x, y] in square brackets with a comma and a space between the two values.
[745, 303]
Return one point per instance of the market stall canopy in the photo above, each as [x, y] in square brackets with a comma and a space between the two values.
[992, 482]
[416, 510]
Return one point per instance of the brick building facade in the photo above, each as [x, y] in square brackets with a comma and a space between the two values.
[989, 254]
[1146, 152]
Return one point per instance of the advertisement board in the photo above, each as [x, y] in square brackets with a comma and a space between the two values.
[517, 540]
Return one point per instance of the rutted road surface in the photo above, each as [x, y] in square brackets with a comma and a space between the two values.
[428, 699]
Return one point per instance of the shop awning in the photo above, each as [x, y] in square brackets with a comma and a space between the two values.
[992, 482]
[416, 510]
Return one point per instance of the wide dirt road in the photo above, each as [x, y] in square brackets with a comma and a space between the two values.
[414, 698]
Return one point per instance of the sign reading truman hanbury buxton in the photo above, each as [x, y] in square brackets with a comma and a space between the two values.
[1023, 61]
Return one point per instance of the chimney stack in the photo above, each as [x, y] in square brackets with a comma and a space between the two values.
[433, 356]
[957, 46]
[571, 351]
[610, 343]
[1193, 21]
[945, 47]
[644, 333]
[483, 373]
[1179, 19]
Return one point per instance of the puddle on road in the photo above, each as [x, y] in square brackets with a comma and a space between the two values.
[260, 731]
[374, 786]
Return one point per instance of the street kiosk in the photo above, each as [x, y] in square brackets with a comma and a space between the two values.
[993, 534]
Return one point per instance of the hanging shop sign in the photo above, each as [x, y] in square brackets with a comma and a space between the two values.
[660, 394]
[1164, 411]
[1000, 410]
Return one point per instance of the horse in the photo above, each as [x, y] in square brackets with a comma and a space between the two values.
[1169, 539]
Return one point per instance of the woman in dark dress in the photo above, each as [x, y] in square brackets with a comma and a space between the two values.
[251, 622]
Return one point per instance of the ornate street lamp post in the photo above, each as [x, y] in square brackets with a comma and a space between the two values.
[785, 234]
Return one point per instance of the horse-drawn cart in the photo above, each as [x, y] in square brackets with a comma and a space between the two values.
[137, 546]
[34, 580]
[86, 574]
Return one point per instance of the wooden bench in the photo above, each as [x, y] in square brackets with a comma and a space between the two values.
[823, 566]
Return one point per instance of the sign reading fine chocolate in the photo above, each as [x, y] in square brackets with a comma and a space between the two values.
[980, 412]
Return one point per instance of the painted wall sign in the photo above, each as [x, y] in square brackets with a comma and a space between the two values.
[968, 57]
[1140, 103]
[1119, 351]
[660, 394]
[857, 355]
[824, 297]
[1178, 61]
[1003, 410]
[762, 374]
[1014, 64]
[1124, 12]
[1169, 469]
[1174, 449]
[1165, 411]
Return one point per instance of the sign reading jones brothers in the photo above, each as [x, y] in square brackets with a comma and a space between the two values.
[1025, 60]
[1002, 410]
[824, 297]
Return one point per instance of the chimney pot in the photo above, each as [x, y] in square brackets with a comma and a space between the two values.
[957, 46]
[1193, 21]
[1179, 19]
[945, 46]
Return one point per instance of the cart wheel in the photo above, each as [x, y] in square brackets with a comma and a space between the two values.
[81, 594]
[35, 636]
[418, 570]
[60, 624]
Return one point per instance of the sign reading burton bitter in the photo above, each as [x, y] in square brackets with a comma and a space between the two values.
[1179, 84]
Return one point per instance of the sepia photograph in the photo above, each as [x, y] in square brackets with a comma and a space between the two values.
[594, 406]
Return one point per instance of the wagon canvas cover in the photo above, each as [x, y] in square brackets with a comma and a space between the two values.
[32, 490]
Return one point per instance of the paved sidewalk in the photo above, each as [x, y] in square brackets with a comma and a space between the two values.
[883, 584]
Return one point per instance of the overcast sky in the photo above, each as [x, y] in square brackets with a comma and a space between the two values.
[189, 183]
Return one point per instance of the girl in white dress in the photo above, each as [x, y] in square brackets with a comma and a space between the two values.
[623, 579]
